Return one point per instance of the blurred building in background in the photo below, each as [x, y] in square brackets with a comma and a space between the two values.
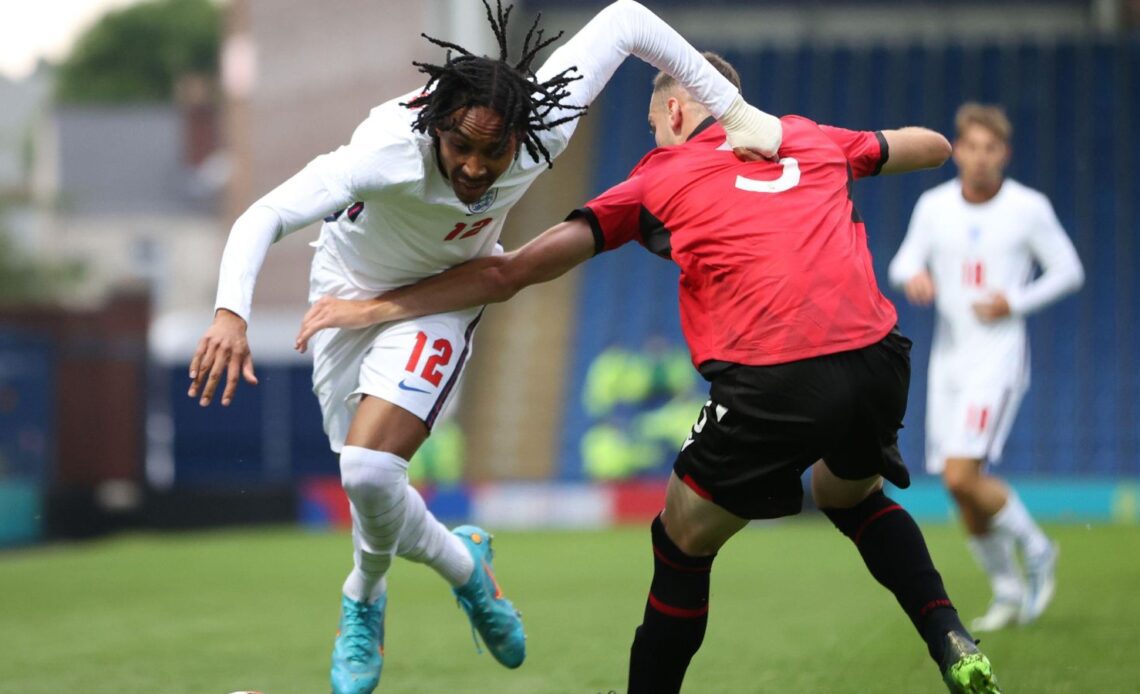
[145, 196]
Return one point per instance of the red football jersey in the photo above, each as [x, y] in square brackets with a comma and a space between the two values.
[773, 255]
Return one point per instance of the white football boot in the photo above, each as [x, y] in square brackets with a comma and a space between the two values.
[1040, 574]
[1002, 613]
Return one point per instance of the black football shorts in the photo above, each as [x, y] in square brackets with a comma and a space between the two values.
[765, 425]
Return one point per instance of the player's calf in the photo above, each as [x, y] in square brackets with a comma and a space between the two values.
[894, 551]
[676, 615]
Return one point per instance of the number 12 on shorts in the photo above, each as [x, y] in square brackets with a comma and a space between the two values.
[440, 356]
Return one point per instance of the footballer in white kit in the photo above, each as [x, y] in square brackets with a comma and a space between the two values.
[972, 249]
[979, 370]
[424, 185]
[392, 217]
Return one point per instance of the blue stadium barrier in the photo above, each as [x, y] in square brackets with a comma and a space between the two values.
[271, 434]
[27, 433]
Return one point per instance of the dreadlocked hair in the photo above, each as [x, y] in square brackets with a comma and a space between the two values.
[511, 90]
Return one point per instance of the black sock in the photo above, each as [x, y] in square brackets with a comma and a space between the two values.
[893, 549]
[676, 614]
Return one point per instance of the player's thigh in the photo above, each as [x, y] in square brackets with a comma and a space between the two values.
[961, 475]
[978, 420]
[416, 365]
[831, 491]
[877, 379]
[753, 440]
[337, 357]
[696, 525]
[380, 425]
[1008, 405]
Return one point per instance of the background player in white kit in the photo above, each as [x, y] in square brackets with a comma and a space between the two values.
[425, 184]
[970, 249]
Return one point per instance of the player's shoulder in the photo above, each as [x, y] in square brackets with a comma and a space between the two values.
[657, 157]
[388, 124]
[1023, 194]
[805, 134]
[386, 137]
[945, 193]
[798, 127]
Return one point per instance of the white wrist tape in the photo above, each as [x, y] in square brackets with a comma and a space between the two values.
[749, 127]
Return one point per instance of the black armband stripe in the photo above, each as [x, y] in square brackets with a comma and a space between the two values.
[884, 152]
[595, 226]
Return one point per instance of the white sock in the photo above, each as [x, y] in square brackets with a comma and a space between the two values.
[362, 583]
[376, 484]
[1014, 520]
[994, 552]
[427, 541]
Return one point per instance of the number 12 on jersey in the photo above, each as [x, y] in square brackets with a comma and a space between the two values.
[461, 227]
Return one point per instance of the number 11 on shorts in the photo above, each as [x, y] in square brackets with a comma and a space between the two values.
[441, 356]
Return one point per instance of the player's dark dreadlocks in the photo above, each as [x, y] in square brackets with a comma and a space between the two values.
[512, 91]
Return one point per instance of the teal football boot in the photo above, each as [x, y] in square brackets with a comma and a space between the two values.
[491, 614]
[358, 654]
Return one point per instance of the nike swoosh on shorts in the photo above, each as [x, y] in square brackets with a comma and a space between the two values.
[405, 386]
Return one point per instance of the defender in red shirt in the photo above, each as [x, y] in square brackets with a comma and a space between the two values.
[783, 316]
[773, 255]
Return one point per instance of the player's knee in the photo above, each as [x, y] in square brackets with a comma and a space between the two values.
[830, 491]
[374, 481]
[693, 543]
[960, 478]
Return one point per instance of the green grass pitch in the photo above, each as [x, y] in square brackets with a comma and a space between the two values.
[793, 610]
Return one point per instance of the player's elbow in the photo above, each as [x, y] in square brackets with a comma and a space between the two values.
[935, 151]
[914, 148]
[504, 281]
[1078, 278]
[898, 274]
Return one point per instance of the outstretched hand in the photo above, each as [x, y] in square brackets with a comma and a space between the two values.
[329, 312]
[224, 348]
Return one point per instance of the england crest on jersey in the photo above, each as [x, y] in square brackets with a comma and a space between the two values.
[484, 203]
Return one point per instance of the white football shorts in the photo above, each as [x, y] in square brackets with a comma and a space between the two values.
[969, 417]
[414, 364]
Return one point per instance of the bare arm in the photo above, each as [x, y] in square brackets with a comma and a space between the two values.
[475, 283]
[913, 148]
[223, 352]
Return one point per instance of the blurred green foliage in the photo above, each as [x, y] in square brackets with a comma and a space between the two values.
[136, 54]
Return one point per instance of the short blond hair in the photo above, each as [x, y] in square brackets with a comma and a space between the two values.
[664, 81]
[989, 116]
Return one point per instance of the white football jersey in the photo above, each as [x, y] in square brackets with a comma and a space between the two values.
[400, 220]
[394, 217]
[974, 250]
